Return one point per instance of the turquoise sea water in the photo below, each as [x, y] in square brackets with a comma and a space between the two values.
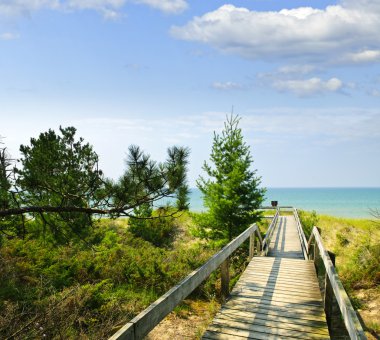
[344, 202]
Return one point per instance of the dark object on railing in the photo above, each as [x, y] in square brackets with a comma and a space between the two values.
[274, 203]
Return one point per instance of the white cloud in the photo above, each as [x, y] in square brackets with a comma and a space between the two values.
[25, 7]
[8, 36]
[366, 56]
[166, 6]
[308, 87]
[110, 9]
[302, 34]
[226, 86]
[374, 93]
[296, 69]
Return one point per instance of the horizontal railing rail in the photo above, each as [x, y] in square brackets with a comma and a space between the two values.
[144, 322]
[269, 207]
[269, 233]
[301, 234]
[334, 288]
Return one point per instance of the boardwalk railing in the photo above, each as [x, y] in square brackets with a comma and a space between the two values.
[333, 289]
[301, 234]
[269, 233]
[143, 323]
[336, 300]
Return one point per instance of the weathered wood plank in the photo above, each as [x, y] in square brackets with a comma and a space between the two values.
[295, 302]
[284, 265]
[285, 325]
[274, 274]
[275, 321]
[274, 269]
[299, 316]
[271, 290]
[288, 305]
[264, 280]
[283, 279]
[243, 329]
[242, 287]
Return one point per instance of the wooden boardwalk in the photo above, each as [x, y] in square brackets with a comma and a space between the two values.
[285, 242]
[277, 297]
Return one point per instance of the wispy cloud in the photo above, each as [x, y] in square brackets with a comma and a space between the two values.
[268, 129]
[366, 56]
[297, 69]
[333, 124]
[166, 6]
[136, 67]
[110, 9]
[9, 36]
[292, 79]
[374, 93]
[228, 85]
[308, 87]
[25, 7]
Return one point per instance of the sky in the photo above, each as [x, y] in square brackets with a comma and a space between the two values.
[304, 76]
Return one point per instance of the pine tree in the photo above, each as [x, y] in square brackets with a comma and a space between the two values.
[59, 185]
[231, 189]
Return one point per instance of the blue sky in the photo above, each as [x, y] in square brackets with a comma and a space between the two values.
[303, 75]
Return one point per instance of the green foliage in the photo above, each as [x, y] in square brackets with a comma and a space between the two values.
[153, 228]
[146, 181]
[356, 244]
[74, 291]
[5, 184]
[363, 266]
[59, 171]
[308, 221]
[231, 189]
[9, 226]
[59, 185]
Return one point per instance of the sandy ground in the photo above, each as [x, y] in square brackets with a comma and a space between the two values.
[370, 310]
[187, 322]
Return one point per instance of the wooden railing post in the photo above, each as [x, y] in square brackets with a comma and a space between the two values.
[225, 276]
[332, 310]
[316, 255]
[258, 245]
[312, 251]
[251, 246]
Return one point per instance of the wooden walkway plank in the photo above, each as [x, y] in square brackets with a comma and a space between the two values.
[277, 296]
[283, 323]
[272, 315]
[275, 310]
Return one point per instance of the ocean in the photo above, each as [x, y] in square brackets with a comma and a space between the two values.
[341, 202]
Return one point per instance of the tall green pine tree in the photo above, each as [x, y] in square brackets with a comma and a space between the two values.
[231, 189]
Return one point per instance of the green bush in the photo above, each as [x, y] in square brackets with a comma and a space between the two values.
[85, 289]
[308, 221]
[156, 228]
